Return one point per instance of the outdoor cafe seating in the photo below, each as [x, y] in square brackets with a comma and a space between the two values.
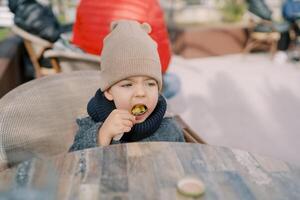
[37, 127]
[38, 119]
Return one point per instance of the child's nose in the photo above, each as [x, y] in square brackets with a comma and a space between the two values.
[140, 91]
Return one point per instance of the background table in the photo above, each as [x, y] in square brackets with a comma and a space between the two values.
[151, 171]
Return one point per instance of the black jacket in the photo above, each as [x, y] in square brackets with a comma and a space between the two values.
[35, 18]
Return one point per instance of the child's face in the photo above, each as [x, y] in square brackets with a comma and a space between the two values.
[132, 91]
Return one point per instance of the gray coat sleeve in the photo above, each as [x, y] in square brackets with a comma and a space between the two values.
[171, 131]
[178, 130]
[87, 134]
[168, 131]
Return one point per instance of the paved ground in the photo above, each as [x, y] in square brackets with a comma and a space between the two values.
[246, 102]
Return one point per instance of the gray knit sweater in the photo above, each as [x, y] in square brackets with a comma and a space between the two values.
[87, 134]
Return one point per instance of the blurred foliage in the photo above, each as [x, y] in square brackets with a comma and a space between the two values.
[4, 32]
[61, 18]
[64, 10]
[232, 10]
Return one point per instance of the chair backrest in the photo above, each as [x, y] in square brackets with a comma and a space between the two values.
[73, 61]
[40, 42]
[38, 118]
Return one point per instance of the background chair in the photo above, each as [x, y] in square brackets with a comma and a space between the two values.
[263, 31]
[262, 35]
[35, 47]
[73, 61]
[38, 118]
[61, 60]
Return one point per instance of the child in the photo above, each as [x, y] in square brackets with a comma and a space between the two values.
[130, 78]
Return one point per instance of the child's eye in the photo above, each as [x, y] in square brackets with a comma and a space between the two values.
[126, 85]
[151, 84]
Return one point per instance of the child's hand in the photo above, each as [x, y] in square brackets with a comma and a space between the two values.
[118, 122]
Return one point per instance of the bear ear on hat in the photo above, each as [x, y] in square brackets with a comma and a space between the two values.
[146, 27]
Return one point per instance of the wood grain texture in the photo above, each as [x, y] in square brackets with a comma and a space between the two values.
[151, 171]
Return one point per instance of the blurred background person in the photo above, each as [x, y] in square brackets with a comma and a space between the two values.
[291, 13]
[261, 9]
[37, 19]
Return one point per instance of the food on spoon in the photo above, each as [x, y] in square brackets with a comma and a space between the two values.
[138, 109]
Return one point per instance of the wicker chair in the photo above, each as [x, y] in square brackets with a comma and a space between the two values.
[38, 118]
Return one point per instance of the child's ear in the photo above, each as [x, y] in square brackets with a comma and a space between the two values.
[108, 95]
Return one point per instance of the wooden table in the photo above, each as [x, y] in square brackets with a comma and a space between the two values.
[151, 171]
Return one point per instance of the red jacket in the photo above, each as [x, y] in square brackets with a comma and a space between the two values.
[93, 20]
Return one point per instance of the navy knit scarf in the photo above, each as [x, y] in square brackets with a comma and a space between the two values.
[99, 109]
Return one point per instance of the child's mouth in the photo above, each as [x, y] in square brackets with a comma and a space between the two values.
[140, 117]
[138, 110]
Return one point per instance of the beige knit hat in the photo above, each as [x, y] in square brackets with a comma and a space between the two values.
[127, 51]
